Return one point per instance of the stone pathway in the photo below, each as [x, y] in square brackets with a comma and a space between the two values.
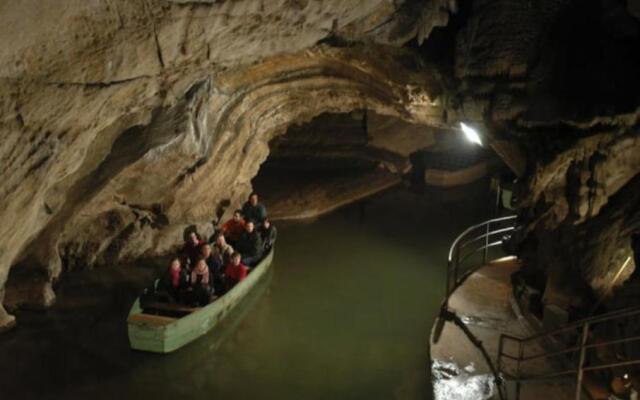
[459, 371]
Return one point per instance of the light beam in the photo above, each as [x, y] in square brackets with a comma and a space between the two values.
[471, 134]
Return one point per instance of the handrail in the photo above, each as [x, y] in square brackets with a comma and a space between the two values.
[455, 270]
[460, 249]
[475, 239]
[473, 227]
[624, 312]
[581, 331]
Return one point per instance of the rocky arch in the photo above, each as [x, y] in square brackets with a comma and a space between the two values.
[76, 75]
[183, 160]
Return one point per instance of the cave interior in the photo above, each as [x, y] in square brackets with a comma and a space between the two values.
[125, 122]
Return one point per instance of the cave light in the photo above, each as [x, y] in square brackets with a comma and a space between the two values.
[471, 134]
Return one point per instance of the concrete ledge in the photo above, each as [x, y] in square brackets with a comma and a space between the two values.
[315, 198]
[445, 178]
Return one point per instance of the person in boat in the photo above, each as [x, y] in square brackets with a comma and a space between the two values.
[201, 289]
[233, 228]
[235, 271]
[250, 245]
[175, 280]
[191, 248]
[253, 210]
[222, 249]
[268, 233]
[215, 263]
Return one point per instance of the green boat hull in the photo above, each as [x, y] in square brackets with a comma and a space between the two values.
[174, 334]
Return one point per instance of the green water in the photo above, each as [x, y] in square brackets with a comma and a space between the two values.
[344, 314]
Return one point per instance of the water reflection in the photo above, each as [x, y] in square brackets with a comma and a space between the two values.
[454, 383]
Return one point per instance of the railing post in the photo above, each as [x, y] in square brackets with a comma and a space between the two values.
[520, 356]
[583, 350]
[447, 291]
[485, 253]
[456, 265]
[448, 283]
[500, 348]
[503, 385]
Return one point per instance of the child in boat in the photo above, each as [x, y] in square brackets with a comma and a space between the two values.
[233, 228]
[200, 282]
[175, 280]
[236, 271]
[200, 273]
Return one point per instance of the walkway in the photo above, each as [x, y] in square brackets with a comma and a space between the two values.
[483, 303]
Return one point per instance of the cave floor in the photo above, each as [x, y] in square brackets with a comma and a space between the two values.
[482, 302]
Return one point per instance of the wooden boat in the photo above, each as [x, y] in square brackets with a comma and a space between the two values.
[163, 327]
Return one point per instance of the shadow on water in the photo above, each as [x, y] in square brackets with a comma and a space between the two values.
[345, 313]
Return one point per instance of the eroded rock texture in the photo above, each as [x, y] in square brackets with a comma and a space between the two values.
[123, 122]
[567, 95]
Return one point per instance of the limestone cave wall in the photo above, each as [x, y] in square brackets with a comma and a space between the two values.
[125, 121]
[560, 85]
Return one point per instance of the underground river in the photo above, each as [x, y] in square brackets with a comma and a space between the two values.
[345, 313]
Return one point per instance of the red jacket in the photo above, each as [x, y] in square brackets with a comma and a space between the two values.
[175, 277]
[236, 273]
[233, 229]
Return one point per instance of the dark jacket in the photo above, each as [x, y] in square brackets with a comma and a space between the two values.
[166, 282]
[215, 264]
[268, 236]
[250, 244]
[256, 213]
[191, 252]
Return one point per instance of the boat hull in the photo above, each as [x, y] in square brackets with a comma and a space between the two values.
[173, 333]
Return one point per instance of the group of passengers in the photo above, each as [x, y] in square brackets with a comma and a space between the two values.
[205, 270]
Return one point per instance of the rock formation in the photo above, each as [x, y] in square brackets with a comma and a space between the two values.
[124, 122]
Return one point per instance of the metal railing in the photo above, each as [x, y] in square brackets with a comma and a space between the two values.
[469, 252]
[471, 249]
[568, 361]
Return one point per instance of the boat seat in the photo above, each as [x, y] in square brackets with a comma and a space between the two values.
[169, 307]
[150, 319]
